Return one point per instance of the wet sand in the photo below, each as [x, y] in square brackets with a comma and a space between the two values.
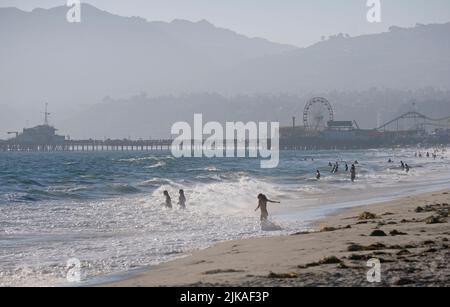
[409, 236]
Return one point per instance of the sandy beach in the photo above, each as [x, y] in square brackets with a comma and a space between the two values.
[409, 237]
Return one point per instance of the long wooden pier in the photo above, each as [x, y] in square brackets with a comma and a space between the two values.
[108, 145]
[89, 145]
[166, 144]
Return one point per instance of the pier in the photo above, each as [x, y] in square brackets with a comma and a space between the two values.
[87, 145]
[389, 140]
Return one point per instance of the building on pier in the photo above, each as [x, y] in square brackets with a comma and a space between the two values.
[42, 134]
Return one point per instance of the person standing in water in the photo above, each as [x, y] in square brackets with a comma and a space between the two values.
[182, 200]
[262, 204]
[336, 168]
[407, 168]
[318, 175]
[346, 167]
[353, 173]
[168, 202]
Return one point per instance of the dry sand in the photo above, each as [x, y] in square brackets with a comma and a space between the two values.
[412, 246]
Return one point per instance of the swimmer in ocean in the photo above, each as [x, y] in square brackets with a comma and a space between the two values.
[262, 204]
[168, 202]
[353, 173]
[182, 200]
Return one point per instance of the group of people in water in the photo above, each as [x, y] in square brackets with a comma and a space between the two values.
[262, 203]
[263, 200]
[404, 166]
[335, 170]
[181, 200]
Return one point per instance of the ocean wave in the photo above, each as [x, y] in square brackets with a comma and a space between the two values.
[70, 163]
[155, 182]
[221, 196]
[25, 181]
[151, 158]
[157, 165]
[125, 188]
[205, 169]
[67, 190]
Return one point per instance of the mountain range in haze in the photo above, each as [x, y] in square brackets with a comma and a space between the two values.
[43, 58]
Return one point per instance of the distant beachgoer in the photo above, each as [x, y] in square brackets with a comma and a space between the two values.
[356, 162]
[335, 168]
[182, 200]
[318, 175]
[330, 165]
[262, 205]
[428, 154]
[407, 168]
[390, 161]
[168, 202]
[353, 173]
[346, 167]
[402, 164]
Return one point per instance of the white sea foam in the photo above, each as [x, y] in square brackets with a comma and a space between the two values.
[156, 165]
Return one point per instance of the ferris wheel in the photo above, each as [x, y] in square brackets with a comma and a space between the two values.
[318, 112]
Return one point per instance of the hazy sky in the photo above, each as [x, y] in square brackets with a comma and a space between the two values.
[299, 22]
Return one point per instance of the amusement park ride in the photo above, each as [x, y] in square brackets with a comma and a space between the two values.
[321, 130]
[318, 116]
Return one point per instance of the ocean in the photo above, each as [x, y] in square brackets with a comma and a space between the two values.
[105, 208]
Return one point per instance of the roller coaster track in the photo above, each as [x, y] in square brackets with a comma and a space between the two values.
[415, 115]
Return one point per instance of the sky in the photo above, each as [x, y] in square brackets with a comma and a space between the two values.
[297, 22]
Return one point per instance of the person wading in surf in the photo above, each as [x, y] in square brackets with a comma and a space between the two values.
[353, 173]
[262, 204]
[182, 200]
[168, 202]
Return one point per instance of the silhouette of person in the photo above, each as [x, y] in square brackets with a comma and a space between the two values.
[182, 200]
[262, 205]
[353, 173]
[168, 202]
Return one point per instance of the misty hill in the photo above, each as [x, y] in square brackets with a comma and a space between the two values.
[45, 58]
[402, 58]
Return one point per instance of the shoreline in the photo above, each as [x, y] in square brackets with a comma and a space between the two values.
[410, 243]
